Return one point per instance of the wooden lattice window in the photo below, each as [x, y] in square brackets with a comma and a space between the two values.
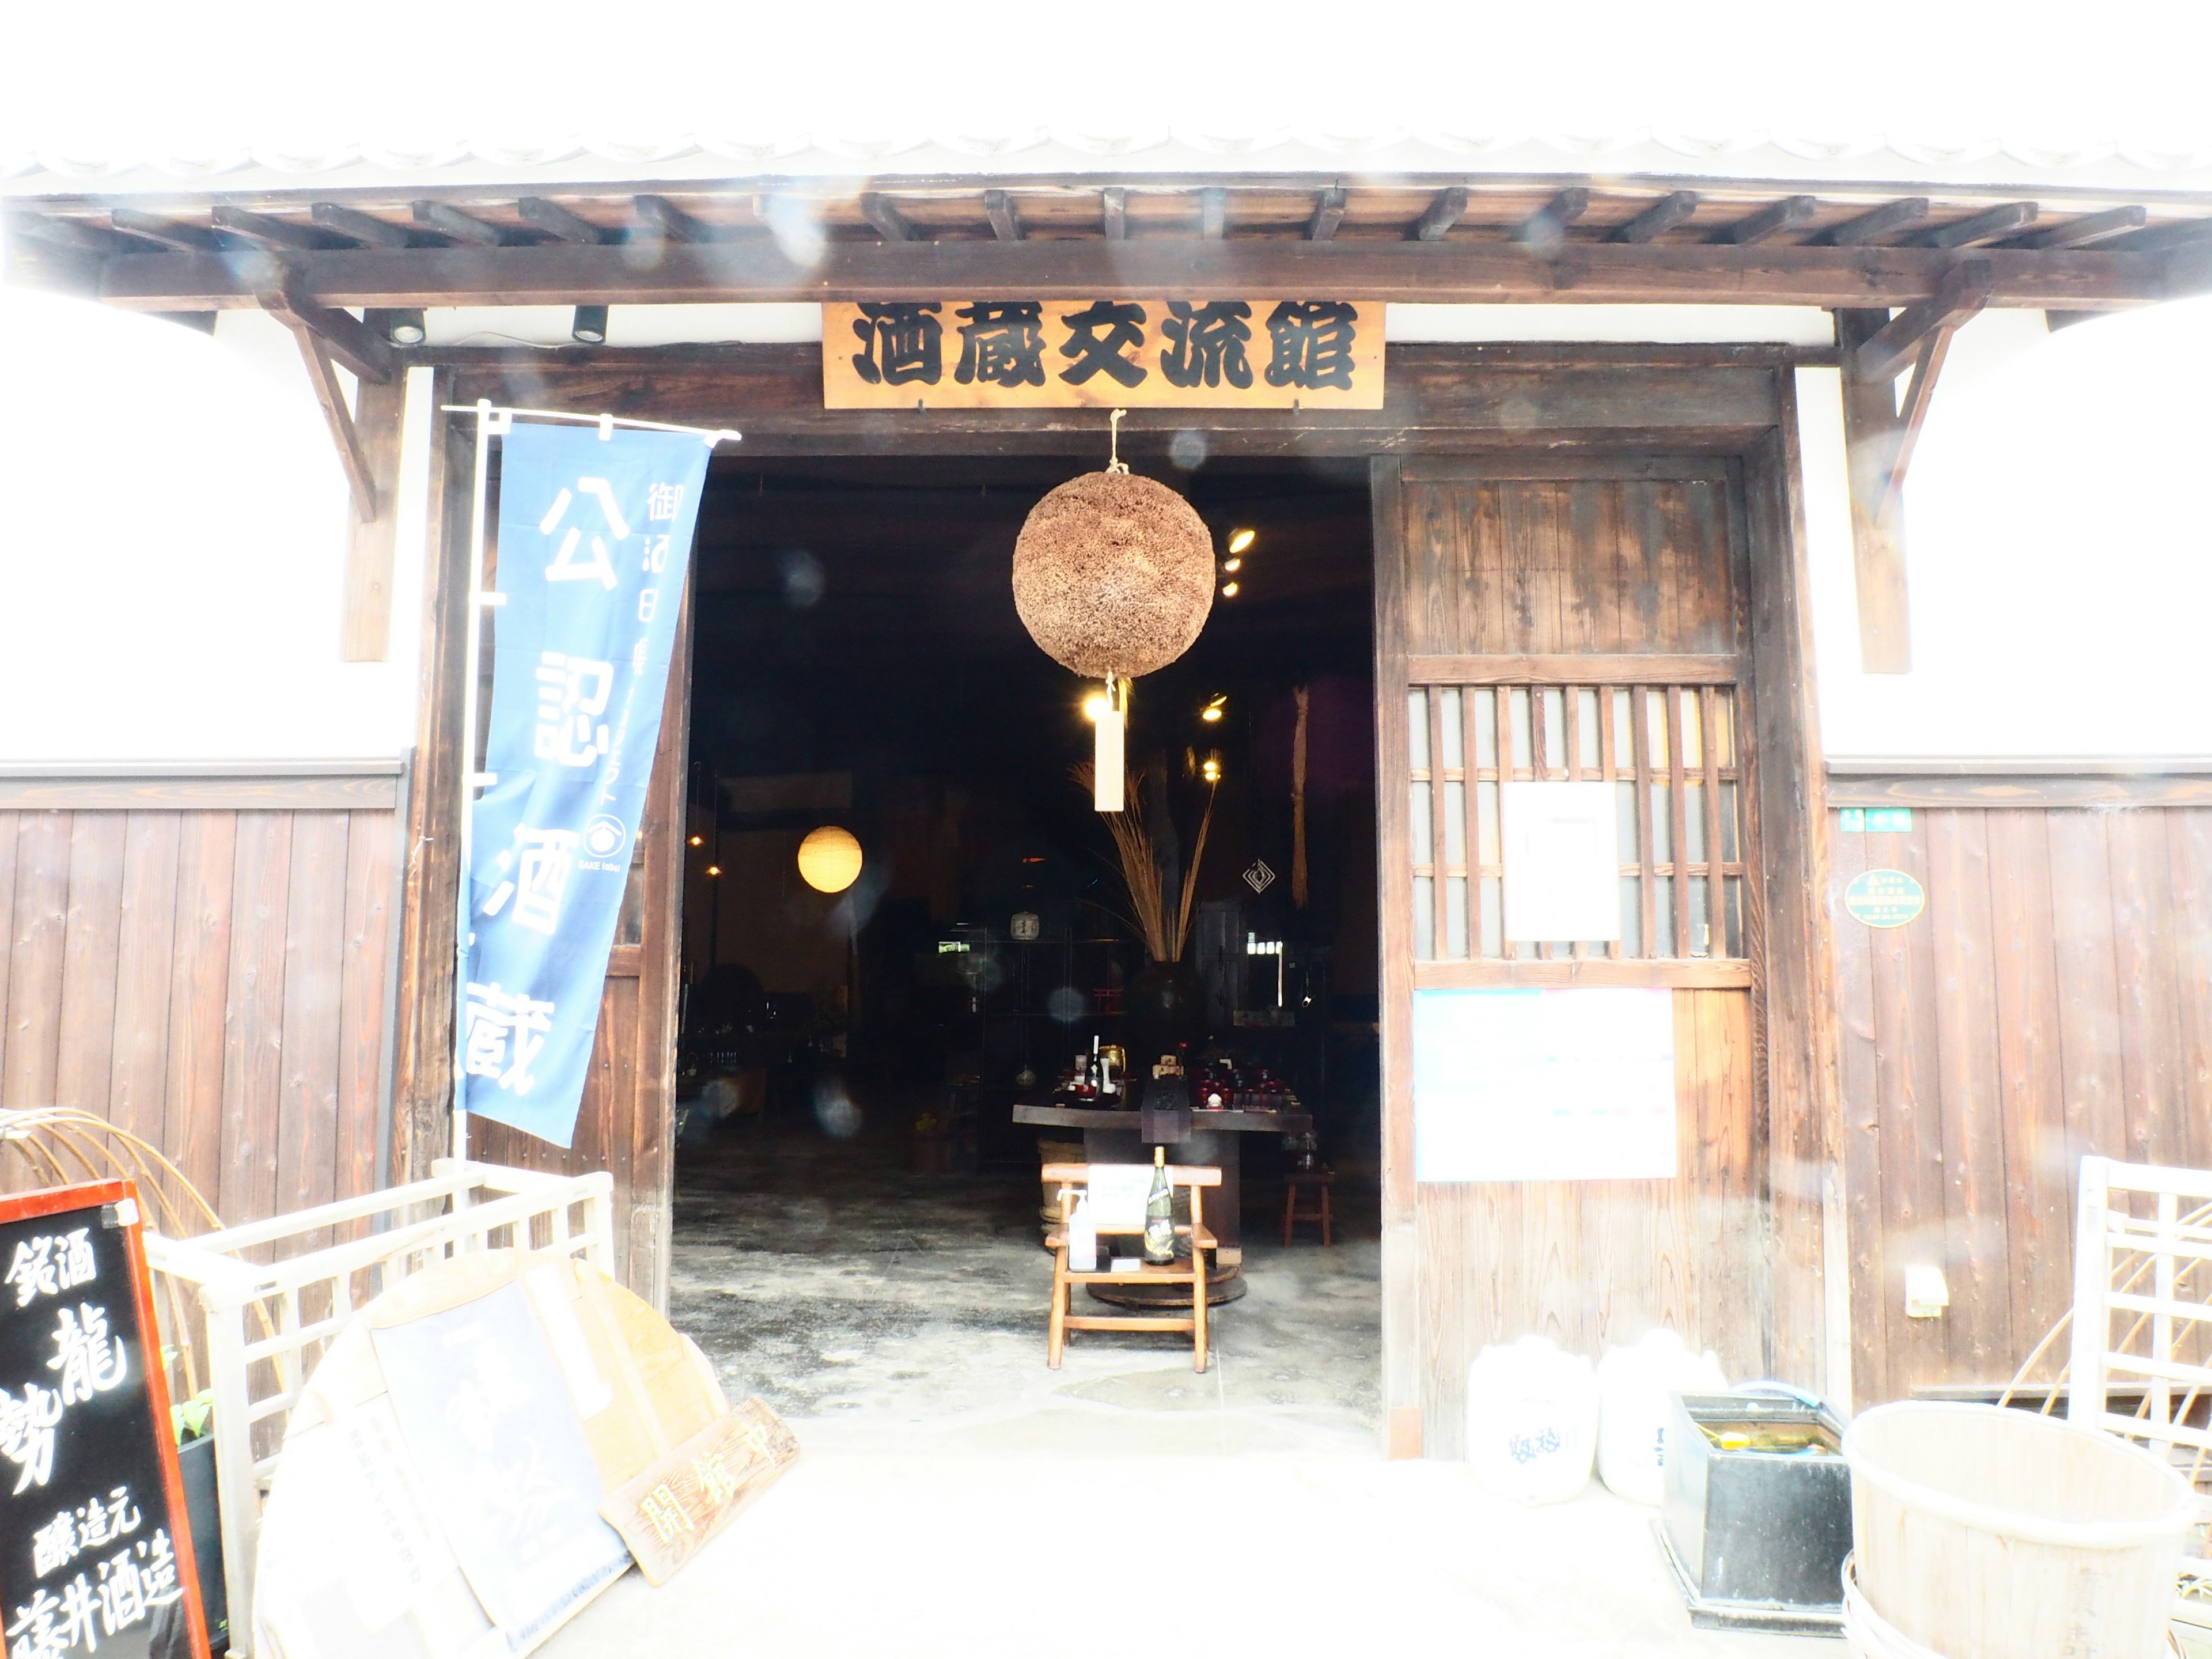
[1672, 752]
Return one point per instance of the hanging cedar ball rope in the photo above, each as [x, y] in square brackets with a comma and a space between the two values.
[1114, 574]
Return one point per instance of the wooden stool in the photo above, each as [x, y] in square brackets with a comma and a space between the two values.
[1294, 1179]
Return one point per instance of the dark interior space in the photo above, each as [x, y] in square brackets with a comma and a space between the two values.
[857, 662]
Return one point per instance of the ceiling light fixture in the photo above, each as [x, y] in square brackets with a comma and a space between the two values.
[590, 326]
[1241, 539]
[403, 327]
[1213, 710]
[1232, 565]
[1229, 590]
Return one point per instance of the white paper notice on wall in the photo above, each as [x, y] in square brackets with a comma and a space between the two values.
[1543, 1085]
[1562, 861]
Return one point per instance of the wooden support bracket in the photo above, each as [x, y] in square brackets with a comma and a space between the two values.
[323, 337]
[1963, 292]
[344, 336]
[1917, 394]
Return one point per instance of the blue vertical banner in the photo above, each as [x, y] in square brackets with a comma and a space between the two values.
[594, 539]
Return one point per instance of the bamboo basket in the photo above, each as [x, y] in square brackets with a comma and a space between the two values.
[1981, 1533]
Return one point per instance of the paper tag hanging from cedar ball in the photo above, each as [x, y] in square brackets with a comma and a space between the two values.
[1113, 578]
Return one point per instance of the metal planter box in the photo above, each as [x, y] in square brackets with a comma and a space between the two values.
[1757, 1537]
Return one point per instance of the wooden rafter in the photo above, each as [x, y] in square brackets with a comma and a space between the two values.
[1871, 227]
[1547, 225]
[2001, 220]
[1774, 217]
[2091, 227]
[666, 222]
[1662, 216]
[449, 220]
[1327, 215]
[169, 232]
[1212, 214]
[269, 233]
[889, 223]
[364, 229]
[1441, 214]
[1005, 222]
[557, 221]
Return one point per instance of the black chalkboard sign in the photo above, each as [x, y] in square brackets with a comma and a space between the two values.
[95, 1550]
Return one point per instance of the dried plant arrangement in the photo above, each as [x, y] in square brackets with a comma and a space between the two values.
[1164, 935]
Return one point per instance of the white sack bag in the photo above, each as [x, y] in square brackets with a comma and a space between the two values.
[1635, 1389]
[1531, 1420]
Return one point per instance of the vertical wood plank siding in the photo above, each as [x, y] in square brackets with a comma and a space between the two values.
[211, 981]
[2055, 999]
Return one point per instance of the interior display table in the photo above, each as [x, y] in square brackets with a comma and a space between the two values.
[1113, 1137]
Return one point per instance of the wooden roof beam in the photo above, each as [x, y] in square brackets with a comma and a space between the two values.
[1445, 212]
[462, 227]
[1988, 227]
[2091, 227]
[1113, 213]
[889, 223]
[169, 232]
[1005, 222]
[1871, 227]
[1546, 227]
[1662, 216]
[557, 221]
[1327, 215]
[359, 228]
[1774, 217]
[757, 269]
[260, 228]
[1962, 294]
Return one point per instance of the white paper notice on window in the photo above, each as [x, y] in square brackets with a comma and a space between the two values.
[1543, 1085]
[1562, 863]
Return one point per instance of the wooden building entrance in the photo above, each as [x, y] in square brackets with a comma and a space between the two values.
[1588, 564]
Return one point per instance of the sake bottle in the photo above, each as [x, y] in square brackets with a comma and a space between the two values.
[1159, 1214]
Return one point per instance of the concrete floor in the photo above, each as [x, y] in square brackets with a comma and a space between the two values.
[954, 1496]
[883, 1310]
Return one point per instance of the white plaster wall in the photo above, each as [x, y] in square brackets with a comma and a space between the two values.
[173, 549]
[2058, 552]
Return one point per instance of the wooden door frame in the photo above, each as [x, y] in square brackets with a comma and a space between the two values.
[1486, 400]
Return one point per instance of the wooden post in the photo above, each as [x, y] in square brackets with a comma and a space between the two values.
[365, 622]
[423, 1038]
[1872, 433]
[1795, 991]
[1401, 1337]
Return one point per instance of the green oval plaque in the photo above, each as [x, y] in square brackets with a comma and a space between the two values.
[1885, 898]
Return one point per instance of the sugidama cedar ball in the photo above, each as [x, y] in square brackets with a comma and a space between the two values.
[1113, 573]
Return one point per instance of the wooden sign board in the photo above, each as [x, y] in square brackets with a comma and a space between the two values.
[95, 1546]
[667, 1513]
[1103, 354]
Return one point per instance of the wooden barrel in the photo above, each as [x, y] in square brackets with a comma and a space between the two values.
[1982, 1533]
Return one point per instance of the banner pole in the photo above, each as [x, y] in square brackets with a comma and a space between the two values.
[488, 423]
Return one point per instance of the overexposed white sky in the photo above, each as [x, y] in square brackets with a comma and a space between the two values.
[89, 84]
